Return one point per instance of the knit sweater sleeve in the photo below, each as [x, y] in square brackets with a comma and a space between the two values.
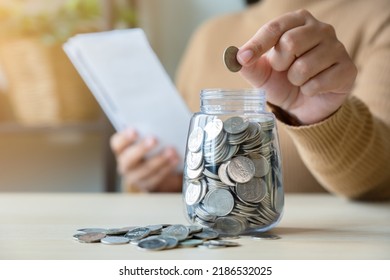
[349, 153]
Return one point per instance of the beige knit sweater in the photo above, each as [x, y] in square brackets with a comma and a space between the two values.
[349, 153]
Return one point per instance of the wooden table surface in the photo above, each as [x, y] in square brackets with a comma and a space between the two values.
[40, 226]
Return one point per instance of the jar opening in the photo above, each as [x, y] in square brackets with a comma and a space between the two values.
[232, 100]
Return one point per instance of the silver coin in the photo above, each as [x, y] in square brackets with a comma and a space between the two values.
[207, 234]
[128, 228]
[222, 173]
[230, 59]
[201, 212]
[91, 237]
[152, 244]
[155, 229]
[218, 202]
[229, 225]
[179, 231]
[210, 174]
[262, 166]
[224, 243]
[194, 160]
[253, 191]
[196, 173]
[241, 169]
[77, 235]
[278, 200]
[194, 229]
[203, 223]
[114, 240]
[213, 129]
[193, 193]
[210, 247]
[191, 243]
[116, 231]
[235, 125]
[268, 236]
[195, 140]
[137, 233]
[172, 242]
[88, 230]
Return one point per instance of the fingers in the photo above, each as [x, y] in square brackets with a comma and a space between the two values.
[332, 80]
[148, 175]
[293, 44]
[269, 34]
[121, 140]
[134, 154]
[311, 64]
[136, 164]
[296, 53]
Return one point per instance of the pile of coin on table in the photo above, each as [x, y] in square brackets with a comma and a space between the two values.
[232, 181]
[161, 237]
[155, 237]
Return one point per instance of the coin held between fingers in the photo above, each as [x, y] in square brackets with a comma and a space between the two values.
[230, 59]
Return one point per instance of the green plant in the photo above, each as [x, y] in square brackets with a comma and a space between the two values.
[57, 20]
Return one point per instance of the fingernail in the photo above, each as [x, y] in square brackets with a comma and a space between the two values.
[168, 153]
[245, 56]
[130, 133]
[149, 142]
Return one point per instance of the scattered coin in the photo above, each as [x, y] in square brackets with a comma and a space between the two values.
[87, 230]
[179, 231]
[152, 244]
[224, 243]
[138, 233]
[207, 234]
[172, 242]
[195, 229]
[91, 237]
[202, 237]
[230, 59]
[191, 243]
[116, 231]
[114, 240]
[264, 235]
[77, 235]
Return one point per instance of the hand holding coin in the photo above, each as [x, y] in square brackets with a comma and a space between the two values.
[300, 63]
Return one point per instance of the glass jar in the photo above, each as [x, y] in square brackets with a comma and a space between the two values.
[232, 179]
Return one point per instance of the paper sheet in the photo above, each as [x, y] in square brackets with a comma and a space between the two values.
[130, 84]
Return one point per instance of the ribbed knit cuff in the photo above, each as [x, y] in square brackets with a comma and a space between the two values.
[346, 152]
[330, 135]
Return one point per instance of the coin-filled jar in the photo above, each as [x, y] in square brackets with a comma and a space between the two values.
[232, 169]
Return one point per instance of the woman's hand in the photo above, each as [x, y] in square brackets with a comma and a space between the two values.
[141, 170]
[303, 67]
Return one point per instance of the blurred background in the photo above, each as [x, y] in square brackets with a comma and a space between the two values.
[53, 135]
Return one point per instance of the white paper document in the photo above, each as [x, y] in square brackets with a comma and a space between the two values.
[130, 84]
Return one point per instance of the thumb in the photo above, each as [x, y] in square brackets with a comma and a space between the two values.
[257, 73]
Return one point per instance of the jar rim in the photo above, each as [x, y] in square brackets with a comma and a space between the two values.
[240, 92]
